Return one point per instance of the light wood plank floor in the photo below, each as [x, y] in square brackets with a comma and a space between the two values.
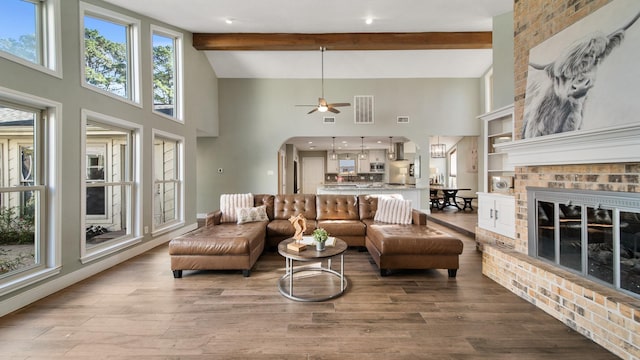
[137, 310]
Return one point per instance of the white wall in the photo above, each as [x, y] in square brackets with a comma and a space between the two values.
[503, 60]
[200, 90]
[257, 115]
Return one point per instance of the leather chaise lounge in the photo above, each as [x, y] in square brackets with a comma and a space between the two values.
[230, 246]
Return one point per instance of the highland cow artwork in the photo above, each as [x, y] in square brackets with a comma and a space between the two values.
[585, 77]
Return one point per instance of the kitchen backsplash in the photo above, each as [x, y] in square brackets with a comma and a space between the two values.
[334, 178]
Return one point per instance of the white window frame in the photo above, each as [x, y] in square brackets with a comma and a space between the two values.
[179, 182]
[178, 44]
[106, 152]
[133, 39]
[50, 225]
[488, 90]
[50, 45]
[135, 195]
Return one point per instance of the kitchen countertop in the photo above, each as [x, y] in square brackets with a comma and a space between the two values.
[351, 185]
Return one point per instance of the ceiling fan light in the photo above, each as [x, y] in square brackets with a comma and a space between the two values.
[323, 108]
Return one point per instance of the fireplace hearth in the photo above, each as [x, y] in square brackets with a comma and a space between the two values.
[595, 234]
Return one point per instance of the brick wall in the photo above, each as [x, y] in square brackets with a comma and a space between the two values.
[597, 312]
[606, 316]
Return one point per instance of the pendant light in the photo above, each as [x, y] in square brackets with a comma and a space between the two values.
[333, 155]
[438, 150]
[391, 155]
[362, 155]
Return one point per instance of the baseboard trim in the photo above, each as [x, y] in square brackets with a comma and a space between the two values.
[50, 287]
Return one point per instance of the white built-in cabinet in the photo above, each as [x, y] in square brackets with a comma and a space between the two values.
[496, 213]
[332, 165]
[496, 204]
[373, 156]
[498, 129]
[363, 164]
[377, 156]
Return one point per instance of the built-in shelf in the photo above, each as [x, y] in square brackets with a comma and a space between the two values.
[498, 130]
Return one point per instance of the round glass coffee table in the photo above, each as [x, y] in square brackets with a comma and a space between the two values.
[332, 283]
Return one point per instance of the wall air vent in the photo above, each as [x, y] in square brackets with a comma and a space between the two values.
[363, 109]
[403, 119]
[329, 120]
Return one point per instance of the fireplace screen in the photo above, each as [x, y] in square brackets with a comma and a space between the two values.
[595, 234]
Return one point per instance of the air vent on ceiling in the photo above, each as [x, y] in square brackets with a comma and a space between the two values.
[363, 109]
[403, 119]
[329, 120]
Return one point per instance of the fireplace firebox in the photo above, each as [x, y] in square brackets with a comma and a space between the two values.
[595, 234]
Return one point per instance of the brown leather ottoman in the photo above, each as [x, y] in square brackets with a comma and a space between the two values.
[218, 247]
[395, 246]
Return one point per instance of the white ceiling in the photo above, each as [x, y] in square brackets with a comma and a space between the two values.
[333, 16]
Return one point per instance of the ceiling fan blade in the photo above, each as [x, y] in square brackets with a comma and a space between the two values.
[333, 110]
[340, 104]
[312, 111]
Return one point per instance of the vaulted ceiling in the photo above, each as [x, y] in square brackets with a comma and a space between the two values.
[281, 38]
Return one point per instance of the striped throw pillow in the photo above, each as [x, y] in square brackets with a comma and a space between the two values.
[393, 211]
[230, 202]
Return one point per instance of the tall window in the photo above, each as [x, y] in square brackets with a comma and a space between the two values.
[110, 43]
[110, 197]
[453, 168]
[167, 184]
[30, 33]
[167, 72]
[21, 189]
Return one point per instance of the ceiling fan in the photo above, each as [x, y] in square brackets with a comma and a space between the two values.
[322, 105]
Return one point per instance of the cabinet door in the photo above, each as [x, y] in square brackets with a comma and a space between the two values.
[332, 166]
[363, 166]
[376, 156]
[505, 217]
[486, 219]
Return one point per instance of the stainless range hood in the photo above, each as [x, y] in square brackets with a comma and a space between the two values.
[399, 148]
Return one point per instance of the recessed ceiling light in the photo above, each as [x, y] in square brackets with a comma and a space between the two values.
[228, 21]
[368, 21]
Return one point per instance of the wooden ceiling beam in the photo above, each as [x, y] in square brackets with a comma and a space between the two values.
[343, 41]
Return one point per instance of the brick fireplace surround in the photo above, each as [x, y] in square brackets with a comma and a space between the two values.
[608, 317]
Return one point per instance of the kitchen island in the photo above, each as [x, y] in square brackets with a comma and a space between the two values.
[409, 192]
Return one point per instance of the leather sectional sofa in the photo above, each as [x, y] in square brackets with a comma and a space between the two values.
[232, 246]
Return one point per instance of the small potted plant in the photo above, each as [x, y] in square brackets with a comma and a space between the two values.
[320, 235]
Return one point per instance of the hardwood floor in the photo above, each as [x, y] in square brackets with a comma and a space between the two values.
[138, 310]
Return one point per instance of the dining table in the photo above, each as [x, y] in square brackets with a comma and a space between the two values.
[449, 196]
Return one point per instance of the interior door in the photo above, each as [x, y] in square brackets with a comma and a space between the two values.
[312, 174]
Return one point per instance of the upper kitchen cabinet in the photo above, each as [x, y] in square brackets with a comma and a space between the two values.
[332, 164]
[363, 163]
[377, 156]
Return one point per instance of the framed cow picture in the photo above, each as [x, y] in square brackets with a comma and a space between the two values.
[586, 76]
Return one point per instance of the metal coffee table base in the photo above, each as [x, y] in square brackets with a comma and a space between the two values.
[285, 284]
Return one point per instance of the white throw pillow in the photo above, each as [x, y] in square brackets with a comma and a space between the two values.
[393, 211]
[230, 202]
[252, 214]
